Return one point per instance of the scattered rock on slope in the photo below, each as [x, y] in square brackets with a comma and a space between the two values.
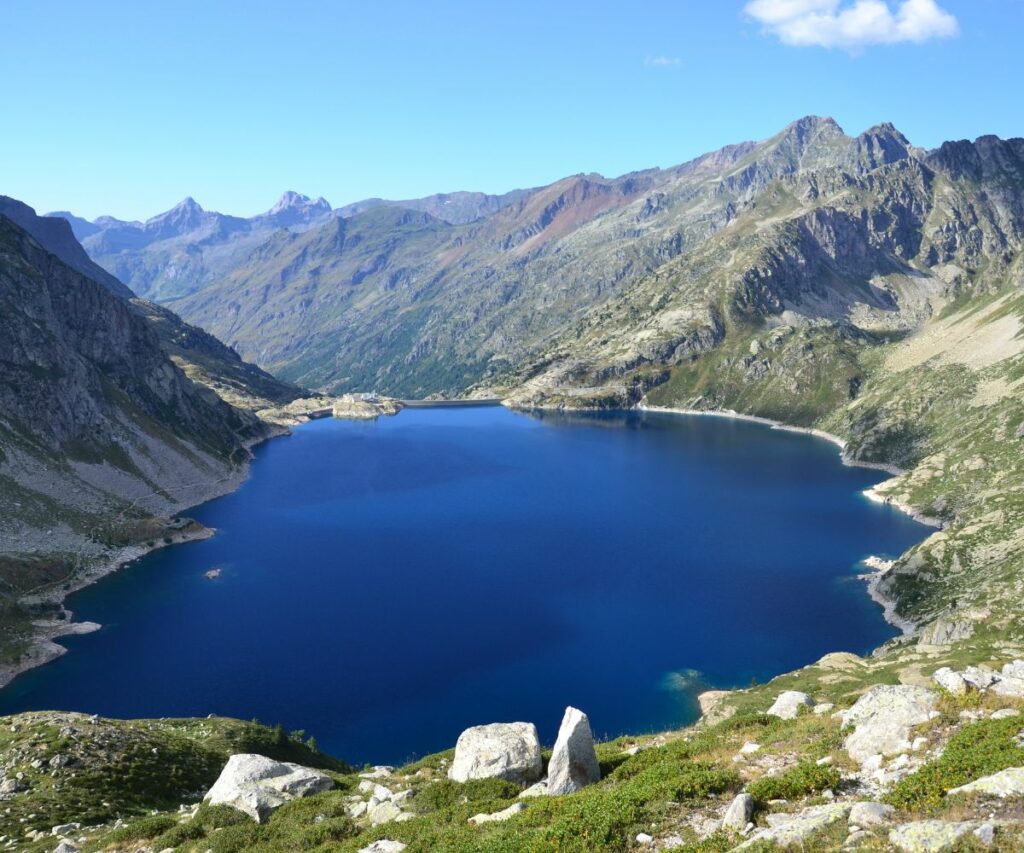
[258, 785]
[788, 704]
[950, 681]
[796, 829]
[573, 762]
[930, 836]
[1005, 783]
[739, 813]
[870, 814]
[504, 814]
[384, 846]
[883, 717]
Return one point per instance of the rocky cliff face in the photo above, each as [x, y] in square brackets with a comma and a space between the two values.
[58, 236]
[99, 429]
[201, 356]
[103, 437]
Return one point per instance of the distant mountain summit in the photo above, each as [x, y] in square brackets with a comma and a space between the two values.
[180, 250]
[184, 218]
[296, 209]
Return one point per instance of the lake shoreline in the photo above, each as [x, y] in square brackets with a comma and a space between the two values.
[874, 494]
[44, 649]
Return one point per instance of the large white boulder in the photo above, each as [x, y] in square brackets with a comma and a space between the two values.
[258, 785]
[498, 751]
[883, 717]
[788, 704]
[573, 762]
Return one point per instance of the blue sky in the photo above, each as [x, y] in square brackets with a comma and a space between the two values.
[124, 108]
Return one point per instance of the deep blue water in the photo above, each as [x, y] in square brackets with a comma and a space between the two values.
[387, 584]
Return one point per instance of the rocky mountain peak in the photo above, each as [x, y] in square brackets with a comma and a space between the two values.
[986, 157]
[188, 203]
[291, 200]
[813, 124]
[185, 216]
[809, 132]
[880, 145]
[294, 208]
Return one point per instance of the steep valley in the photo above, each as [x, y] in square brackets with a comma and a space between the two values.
[854, 285]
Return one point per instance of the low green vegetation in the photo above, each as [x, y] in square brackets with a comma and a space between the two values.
[976, 750]
[91, 770]
[806, 778]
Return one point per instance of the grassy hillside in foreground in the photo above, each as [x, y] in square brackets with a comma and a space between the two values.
[670, 785]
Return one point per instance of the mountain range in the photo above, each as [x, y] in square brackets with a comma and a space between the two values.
[183, 249]
[590, 282]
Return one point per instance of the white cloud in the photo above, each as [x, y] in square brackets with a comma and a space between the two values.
[662, 61]
[852, 25]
